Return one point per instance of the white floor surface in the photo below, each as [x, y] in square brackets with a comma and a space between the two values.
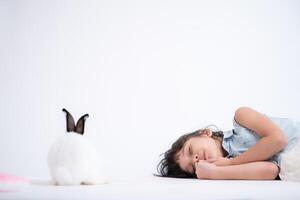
[161, 188]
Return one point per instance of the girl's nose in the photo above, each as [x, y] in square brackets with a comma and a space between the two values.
[196, 158]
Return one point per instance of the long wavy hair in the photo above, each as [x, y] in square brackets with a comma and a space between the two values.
[168, 166]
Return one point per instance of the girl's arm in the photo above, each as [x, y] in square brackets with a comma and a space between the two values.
[255, 170]
[273, 139]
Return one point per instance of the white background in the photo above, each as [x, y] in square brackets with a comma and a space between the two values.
[146, 72]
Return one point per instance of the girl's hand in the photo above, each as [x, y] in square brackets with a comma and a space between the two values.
[220, 161]
[205, 170]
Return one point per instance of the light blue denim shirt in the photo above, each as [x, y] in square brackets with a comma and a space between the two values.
[240, 139]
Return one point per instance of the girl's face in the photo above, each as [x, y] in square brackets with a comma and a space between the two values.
[197, 148]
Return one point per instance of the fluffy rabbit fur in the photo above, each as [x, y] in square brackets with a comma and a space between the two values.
[72, 159]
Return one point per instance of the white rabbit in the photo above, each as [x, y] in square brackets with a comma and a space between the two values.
[72, 159]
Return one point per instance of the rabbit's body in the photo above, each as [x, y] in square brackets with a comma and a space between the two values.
[73, 160]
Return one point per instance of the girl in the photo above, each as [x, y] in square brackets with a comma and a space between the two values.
[254, 149]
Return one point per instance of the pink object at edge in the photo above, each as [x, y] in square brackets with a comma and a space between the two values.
[6, 178]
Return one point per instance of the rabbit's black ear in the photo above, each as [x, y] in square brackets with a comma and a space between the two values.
[80, 124]
[70, 121]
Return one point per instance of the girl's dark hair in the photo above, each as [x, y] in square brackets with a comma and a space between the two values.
[168, 166]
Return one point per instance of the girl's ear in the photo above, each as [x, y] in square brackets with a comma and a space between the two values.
[206, 132]
[70, 121]
[80, 124]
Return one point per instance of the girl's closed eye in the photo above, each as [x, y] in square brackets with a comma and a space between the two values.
[190, 150]
[193, 166]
